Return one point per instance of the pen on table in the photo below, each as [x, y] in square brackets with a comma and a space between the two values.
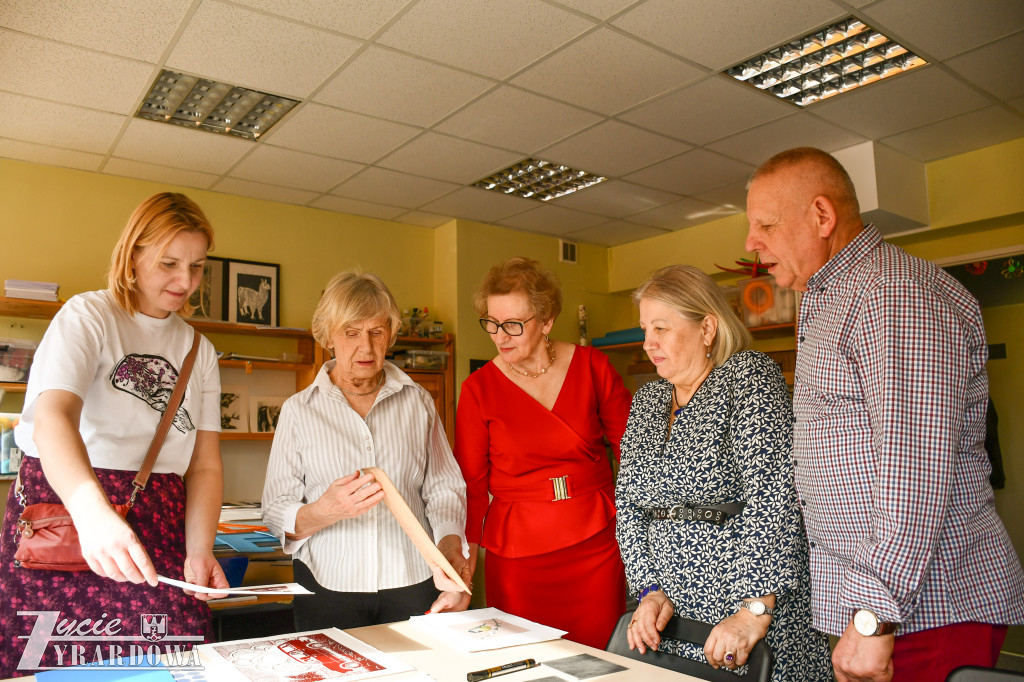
[501, 670]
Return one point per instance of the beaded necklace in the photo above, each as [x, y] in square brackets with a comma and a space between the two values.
[551, 361]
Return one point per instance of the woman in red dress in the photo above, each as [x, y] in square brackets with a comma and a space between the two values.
[531, 430]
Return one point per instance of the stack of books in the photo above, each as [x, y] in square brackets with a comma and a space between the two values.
[37, 291]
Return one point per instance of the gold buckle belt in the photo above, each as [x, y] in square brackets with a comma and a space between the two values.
[561, 488]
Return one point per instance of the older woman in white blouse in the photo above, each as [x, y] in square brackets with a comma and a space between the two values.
[362, 411]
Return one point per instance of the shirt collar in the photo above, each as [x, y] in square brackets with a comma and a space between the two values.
[848, 256]
[394, 380]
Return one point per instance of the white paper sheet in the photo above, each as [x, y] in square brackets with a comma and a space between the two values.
[483, 629]
[273, 589]
[310, 656]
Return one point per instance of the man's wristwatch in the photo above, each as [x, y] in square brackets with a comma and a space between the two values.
[867, 623]
[757, 607]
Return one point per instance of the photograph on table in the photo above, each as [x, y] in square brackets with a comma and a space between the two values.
[208, 300]
[264, 412]
[234, 408]
[253, 292]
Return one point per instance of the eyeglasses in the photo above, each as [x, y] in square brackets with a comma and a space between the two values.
[511, 328]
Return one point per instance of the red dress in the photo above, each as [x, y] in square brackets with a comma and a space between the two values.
[553, 562]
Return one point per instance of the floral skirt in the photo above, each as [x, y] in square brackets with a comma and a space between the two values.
[60, 600]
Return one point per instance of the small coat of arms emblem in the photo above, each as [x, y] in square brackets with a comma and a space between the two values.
[154, 626]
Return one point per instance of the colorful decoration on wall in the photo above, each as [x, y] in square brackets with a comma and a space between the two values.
[977, 268]
[995, 282]
[752, 268]
[1012, 268]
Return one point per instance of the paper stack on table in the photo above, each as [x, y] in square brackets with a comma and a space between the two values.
[483, 629]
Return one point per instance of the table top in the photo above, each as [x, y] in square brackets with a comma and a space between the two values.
[427, 655]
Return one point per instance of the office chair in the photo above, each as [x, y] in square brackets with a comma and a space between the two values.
[971, 673]
[759, 662]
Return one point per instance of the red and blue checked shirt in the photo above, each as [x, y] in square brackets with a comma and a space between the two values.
[891, 470]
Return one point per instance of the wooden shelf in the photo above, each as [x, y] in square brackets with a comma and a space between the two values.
[235, 435]
[772, 331]
[23, 307]
[13, 386]
[216, 327]
[250, 365]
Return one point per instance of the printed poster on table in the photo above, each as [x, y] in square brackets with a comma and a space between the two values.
[483, 629]
[308, 656]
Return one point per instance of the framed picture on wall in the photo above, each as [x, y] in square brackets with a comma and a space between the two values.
[252, 292]
[234, 408]
[264, 412]
[208, 300]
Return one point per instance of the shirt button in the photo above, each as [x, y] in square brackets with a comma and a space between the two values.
[802, 503]
[813, 545]
[801, 338]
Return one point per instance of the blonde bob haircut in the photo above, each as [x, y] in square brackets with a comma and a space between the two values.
[154, 224]
[352, 297]
[525, 276]
[694, 295]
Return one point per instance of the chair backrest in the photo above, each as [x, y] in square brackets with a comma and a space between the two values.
[760, 660]
[972, 673]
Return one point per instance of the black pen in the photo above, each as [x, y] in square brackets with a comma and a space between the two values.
[501, 670]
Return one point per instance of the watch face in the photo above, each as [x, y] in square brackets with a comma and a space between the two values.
[756, 607]
[865, 622]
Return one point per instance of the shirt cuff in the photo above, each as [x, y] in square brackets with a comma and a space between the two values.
[861, 591]
[288, 515]
[451, 528]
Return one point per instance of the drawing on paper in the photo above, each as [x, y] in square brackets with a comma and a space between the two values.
[486, 629]
[309, 658]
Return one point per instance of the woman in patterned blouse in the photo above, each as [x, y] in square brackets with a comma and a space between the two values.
[708, 518]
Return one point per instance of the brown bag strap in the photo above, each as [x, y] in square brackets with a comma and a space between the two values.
[165, 422]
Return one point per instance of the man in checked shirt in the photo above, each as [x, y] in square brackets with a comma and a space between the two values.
[890, 400]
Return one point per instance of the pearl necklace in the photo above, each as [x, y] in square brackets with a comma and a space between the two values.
[373, 390]
[551, 361]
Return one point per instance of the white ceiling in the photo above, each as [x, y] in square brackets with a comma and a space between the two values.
[406, 102]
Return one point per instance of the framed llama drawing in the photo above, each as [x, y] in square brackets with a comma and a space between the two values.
[253, 292]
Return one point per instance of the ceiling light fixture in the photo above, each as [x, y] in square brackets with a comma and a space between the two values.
[835, 59]
[535, 179]
[205, 104]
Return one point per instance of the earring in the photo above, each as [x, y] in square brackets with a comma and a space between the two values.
[707, 351]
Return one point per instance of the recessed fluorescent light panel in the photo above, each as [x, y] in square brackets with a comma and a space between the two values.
[535, 179]
[208, 105]
[825, 63]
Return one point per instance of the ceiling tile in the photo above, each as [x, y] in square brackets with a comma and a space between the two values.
[276, 166]
[515, 119]
[730, 199]
[599, 9]
[679, 214]
[62, 73]
[616, 198]
[318, 129]
[799, 130]
[360, 18]
[943, 28]
[996, 67]
[33, 120]
[51, 156]
[116, 27]
[243, 47]
[485, 206]
[553, 220]
[615, 233]
[424, 219]
[709, 110]
[398, 87]
[180, 147]
[959, 134]
[607, 72]
[390, 187]
[259, 190]
[355, 207]
[158, 173]
[692, 172]
[496, 39]
[612, 149]
[447, 158]
[900, 103]
[707, 32]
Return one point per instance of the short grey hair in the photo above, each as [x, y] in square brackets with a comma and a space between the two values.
[352, 297]
[694, 295]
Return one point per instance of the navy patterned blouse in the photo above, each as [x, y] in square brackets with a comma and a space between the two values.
[731, 443]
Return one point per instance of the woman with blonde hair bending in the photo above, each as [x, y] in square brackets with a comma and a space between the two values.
[708, 520]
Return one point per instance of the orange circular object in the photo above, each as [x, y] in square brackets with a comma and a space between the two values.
[758, 297]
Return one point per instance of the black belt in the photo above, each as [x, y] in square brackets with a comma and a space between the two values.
[717, 514]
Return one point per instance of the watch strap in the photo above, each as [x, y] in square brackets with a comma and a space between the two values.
[746, 604]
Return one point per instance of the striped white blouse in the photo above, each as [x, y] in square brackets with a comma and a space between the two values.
[320, 438]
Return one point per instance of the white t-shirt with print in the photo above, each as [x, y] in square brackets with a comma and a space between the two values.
[123, 367]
